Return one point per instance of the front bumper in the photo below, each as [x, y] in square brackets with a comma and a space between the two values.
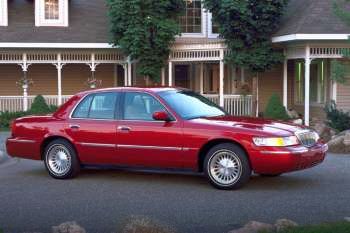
[272, 160]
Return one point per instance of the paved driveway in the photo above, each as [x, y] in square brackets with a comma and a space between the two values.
[100, 199]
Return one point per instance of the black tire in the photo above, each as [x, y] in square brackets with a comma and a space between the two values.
[231, 151]
[72, 169]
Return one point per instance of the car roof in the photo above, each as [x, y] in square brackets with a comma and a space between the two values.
[148, 89]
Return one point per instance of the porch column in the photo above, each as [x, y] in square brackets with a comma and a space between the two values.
[201, 79]
[163, 77]
[221, 81]
[25, 66]
[59, 65]
[125, 66]
[334, 91]
[170, 73]
[307, 86]
[285, 83]
[129, 72]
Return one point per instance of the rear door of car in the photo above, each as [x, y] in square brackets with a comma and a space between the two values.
[92, 126]
[143, 141]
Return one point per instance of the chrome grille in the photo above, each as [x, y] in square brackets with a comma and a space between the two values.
[308, 138]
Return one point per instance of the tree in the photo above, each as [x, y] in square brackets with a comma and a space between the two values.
[247, 27]
[338, 69]
[145, 30]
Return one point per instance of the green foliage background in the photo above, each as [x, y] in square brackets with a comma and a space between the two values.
[338, 69]
[145, 30]
[247, 27]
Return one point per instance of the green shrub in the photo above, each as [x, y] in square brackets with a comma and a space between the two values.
[337, 119]
[275, 109]
[7, 117]
[39, 106]
[53, 108]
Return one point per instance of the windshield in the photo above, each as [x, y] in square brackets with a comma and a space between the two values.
[190, 105]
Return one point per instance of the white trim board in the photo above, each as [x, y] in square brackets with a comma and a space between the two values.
[58, 45]
[3, 13]
[293, 37]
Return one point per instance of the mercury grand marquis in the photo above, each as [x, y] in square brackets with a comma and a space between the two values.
[163, 128]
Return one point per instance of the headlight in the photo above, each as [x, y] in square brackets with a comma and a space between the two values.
[276, 141]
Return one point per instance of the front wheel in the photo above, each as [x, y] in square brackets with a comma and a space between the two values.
[227, 166]
[61, 160]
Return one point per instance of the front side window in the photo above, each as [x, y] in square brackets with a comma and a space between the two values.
[97, 106]
[140, 106]
[318, 82]
[3, 13]
[191, 21]
[190, 105]
[51, 13]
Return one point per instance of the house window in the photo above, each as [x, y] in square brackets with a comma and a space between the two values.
[52, 13]
[52, 10]
[318, 82]
[191, 21]
[3, 12]
[213, 27]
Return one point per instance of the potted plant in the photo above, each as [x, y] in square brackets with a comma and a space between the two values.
[93, 83]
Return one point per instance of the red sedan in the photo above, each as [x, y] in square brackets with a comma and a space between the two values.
[165, 128]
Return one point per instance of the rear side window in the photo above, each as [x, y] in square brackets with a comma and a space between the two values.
[82, 111]
[97, 106]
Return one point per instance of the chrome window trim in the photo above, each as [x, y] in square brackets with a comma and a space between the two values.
[95, 119]
[115, 120]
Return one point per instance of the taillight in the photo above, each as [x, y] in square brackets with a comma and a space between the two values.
[13, 127]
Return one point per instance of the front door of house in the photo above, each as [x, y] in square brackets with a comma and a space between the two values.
[182, 78]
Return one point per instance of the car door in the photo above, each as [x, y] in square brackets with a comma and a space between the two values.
[142, 141]
[93, 125]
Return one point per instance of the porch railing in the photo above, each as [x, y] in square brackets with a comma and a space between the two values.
[15, 103]
[237, 105]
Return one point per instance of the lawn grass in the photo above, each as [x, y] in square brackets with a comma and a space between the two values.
[339, 227]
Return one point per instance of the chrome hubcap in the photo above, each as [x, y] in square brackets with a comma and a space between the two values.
[59, 159]
[225, 167]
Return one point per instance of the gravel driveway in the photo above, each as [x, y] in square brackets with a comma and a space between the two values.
[99, 200]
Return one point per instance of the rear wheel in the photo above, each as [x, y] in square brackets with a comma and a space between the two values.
[227, 167]
[61, 159]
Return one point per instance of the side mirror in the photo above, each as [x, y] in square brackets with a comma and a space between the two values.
[161, 116]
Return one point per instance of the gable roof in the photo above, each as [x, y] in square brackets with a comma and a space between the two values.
[311, 17]
[88, 23]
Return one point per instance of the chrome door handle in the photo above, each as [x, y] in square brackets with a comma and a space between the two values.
[124, 128]
[74, 126]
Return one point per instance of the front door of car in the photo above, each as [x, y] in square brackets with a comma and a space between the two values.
[143, 141]
[93, 126]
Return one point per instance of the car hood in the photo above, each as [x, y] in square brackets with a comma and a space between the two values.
[263, 126]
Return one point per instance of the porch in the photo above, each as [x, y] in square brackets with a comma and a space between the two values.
[59, 74]
[307, 84]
